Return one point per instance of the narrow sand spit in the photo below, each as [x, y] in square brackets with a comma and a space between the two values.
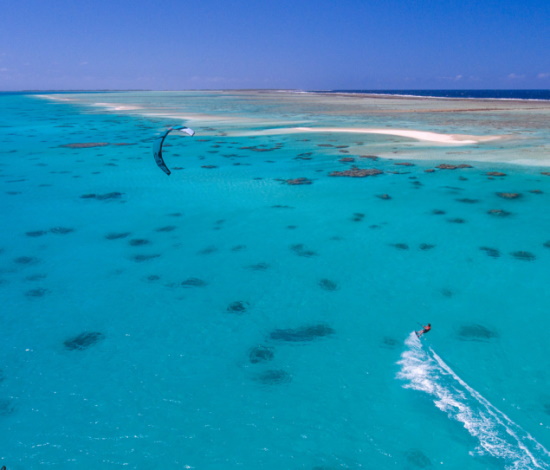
[424, 136]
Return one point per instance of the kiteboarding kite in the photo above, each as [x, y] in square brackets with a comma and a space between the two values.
[157, 147]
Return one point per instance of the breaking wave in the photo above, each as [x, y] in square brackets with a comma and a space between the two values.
[497, 434]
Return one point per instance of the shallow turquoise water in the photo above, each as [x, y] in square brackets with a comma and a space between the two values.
[327, 278]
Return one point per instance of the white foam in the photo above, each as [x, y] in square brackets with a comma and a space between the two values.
[497, 434]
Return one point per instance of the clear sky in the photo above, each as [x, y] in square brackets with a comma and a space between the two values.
[304, 44]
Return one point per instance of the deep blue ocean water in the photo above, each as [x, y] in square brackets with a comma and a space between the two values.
[220, 318]
[475, 94]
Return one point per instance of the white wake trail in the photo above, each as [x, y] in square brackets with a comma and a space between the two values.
[497, 434]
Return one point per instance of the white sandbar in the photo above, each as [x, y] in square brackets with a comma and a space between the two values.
[424, 136]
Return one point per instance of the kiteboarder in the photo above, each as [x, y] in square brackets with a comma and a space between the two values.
[425, 329]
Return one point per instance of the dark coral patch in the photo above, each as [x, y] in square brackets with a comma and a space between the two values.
[85, 145]
[142, 258]
[327, 284]
[61, 230]
[167, 228]
[418, 458]
[36, 233]
[492, 252]
[6, 407]
[260, 354]
[476, 332]
[357, 172]
[103, 197]
[238, 306]
[524, 255]
[385, 197]
[496, 173]
[546, 244]
[388, 342]
[301, 250]
[358, 217]
[238, 248]
[446, 292]
[35, 293]
[258, 267]
[466, 200]
[298, 181]
[370, 157]
[446, 166]
[153, 277]
[456, 220]
[536, 191]
[347, 160]
[83, 340]
[207, 251]
[36, 277]
[302, 333]
[26, 260]
[116, 236]
[400, 246]
[509, 195]
[499, 212]
[426, 246]
[194, 282]
[404, 163]
[438, 212]
[273, 377]
[138, 242]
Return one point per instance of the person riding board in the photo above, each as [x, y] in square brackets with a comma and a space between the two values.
[425, 329]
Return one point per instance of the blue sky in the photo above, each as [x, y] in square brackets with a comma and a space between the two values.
[307, 44]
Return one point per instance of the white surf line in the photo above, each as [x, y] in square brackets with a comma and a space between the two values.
[424, 136]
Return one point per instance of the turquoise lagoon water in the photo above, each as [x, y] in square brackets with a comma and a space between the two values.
[220, 318]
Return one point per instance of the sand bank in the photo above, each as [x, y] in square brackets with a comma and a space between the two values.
[424, 136]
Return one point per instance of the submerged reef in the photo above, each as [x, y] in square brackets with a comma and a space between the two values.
[524, 255]
[417, 458]
[492, 252]
[509, 195]
[83, 340]
[357, 172]
[142, 258]
[400, 246]
[499, 212]
[273, 377]
[103, 197]
[426, 246]
[61, 230]
[85, 145]
[302, 333]
[446, 166]
[238, 306]
[298, 181]
[327, 284]
[260, 354]
[194, 282]
[116, 236]
[258, 266]
[301, 250]
[476, 332]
